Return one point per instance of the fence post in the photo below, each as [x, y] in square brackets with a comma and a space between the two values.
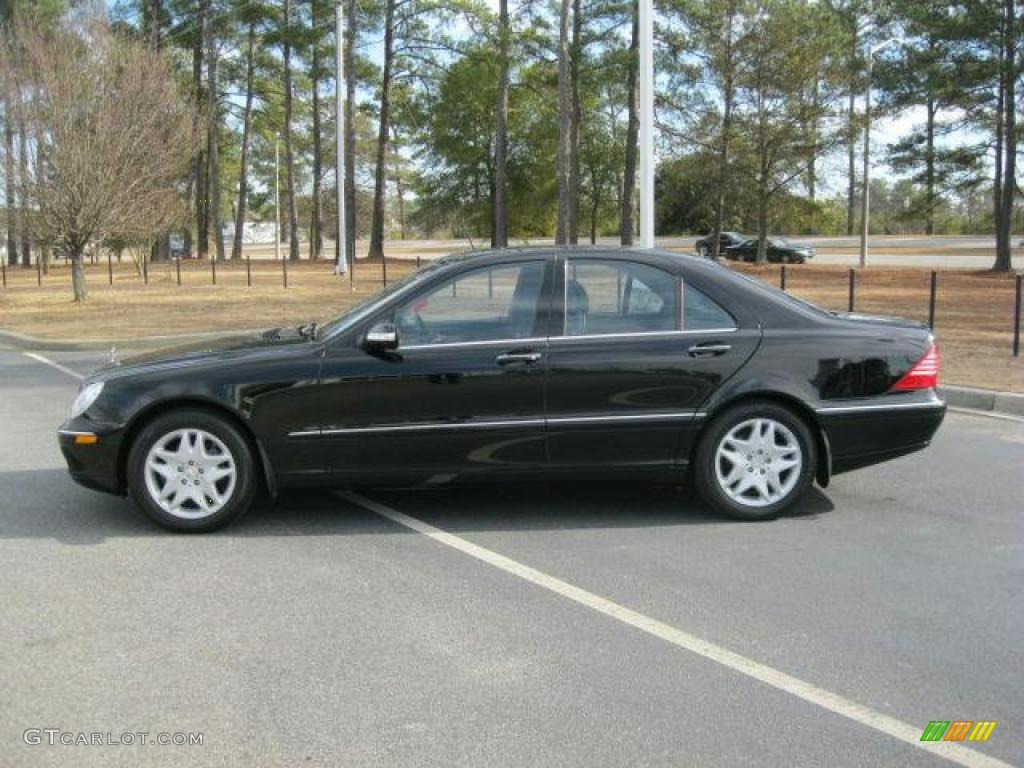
[1016, 318]
[931, 300]
[417, 262]
[284, 271]
[782, 278]
[39, 269]
[384, 267]
[177, 268]
[3, 267]
[853, 283]
[213, 267]
[248, 270]
[145, 269]
[110, 268]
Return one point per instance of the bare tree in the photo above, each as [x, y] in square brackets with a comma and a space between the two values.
[114, 134]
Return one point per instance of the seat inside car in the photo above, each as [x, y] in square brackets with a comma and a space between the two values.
[577, 307]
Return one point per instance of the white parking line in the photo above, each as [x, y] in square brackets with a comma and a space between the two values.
[54, 364]
[909, 734]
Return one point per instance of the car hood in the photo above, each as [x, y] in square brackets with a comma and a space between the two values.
[195, 353]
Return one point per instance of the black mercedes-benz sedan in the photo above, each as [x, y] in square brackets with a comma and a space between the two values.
[514, 365]
[776, 250]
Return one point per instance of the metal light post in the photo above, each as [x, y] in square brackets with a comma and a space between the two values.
[277, 198]
[865, 204]
[341, 259]
[646, 138]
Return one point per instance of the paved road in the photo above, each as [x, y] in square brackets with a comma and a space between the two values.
[948, 252]
[320, 632]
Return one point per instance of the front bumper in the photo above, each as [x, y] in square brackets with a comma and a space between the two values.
[93, 455]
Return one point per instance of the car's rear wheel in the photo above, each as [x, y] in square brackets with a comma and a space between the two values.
[191, 470]
[755, 460]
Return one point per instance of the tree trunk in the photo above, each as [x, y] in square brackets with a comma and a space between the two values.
[997, 184]
[499, 213]
[78, 275]
[929, 166]
[350, 132]
[23, 224]
[400, 188]
[241, 208]
[564, 155]
[728, 97]
[289, 157]
[1004, 224]
[9, 182]
[154, 24]
[384, 131]
[198, 168]
[851, 129]
[626, 225]
[316, 237]
[576, 122]
[213, 152]
[762, 220]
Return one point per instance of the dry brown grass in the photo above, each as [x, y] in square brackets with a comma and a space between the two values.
[974, 318]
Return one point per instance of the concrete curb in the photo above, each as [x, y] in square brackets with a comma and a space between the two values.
[22, 342]
[1009, 403]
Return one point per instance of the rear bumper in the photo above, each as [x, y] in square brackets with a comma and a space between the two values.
[866, 433]
[94, 465]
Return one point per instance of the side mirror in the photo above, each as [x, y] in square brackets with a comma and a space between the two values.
[382, 336]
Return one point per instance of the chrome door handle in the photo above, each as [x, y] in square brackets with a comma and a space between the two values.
[709, 350]
[507, 358]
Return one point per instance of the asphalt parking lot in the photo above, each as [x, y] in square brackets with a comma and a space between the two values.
[526, 626]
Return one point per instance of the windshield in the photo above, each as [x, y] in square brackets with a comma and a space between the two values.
[778, 241]
[355, 313]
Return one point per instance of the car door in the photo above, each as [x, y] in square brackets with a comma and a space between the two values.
[462, 395]
[637, 353]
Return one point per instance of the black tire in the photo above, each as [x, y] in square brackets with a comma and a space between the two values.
[704, 468]
[245, 478]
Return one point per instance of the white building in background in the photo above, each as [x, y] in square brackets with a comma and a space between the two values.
[253, 232]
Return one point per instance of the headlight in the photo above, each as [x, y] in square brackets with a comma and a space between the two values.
[86, 396]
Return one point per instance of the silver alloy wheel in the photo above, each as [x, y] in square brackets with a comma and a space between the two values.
[190, 473]
[758, 462]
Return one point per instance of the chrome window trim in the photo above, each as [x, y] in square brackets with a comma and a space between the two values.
[75, 433]
[481, 343]
[634, 334]
[535, 422]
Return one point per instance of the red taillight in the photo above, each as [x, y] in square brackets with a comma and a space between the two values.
[924, 374]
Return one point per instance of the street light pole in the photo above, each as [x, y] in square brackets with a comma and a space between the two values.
[341, 260]
[865, 203]
[277, 197]
[646, 138]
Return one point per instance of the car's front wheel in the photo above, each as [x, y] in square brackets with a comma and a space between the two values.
[755, 460]
[191, 470]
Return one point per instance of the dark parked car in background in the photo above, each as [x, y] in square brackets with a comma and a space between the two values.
[705, 245]
[779, 250]
[515, 365]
